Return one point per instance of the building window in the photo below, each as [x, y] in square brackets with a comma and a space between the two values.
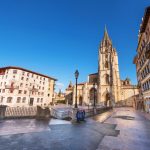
[38, 100]
[25, 92]
[27, 79]
[2, 98]
[24, 100]
[9, 99]
[41, 100]
[21, 84]
[14, 71]
[28, 74]
[20, 91]
[3, 91]
[22, 78]
[18, 99]
[23, 73]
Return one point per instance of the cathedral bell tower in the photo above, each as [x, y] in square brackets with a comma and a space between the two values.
[109, 86]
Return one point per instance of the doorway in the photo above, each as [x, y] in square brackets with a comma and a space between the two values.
[31, 101]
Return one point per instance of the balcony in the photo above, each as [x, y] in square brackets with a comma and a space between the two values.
[147, 53]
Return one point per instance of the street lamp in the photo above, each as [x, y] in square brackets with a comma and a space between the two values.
[76, 76]
[134, 96]
[94, 94]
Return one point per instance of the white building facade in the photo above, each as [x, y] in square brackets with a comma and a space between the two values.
[21, 87]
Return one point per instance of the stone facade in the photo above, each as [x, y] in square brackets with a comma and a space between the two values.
[22, 87]
[142, 61]
[105, 86]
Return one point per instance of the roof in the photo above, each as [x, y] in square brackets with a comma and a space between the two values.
[145, 19]
[93, 74]
[144, 24]
[19, 68]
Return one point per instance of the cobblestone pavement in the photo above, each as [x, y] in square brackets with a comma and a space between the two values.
[134, 131]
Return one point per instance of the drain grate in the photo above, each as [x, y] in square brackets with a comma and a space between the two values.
[125, 117]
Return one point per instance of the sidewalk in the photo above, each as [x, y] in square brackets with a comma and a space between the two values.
[146, 115]
[134, 131]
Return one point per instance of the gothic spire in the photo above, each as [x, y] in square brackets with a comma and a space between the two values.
[106, 36]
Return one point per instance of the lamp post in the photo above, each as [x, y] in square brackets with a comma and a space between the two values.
[76, 76]
[94, 105]
[94, 94]
[134, 97]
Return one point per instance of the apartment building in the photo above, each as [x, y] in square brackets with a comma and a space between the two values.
[23, 87]
[142, 61]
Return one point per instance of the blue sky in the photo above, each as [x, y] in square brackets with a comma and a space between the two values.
[56, 37]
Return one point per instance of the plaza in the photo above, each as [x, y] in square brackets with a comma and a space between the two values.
[75, 75]
[121, 129]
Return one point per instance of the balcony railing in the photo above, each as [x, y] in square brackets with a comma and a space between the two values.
[147, 53]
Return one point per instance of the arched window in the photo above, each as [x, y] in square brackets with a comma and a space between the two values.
[106, 50]
[106, 64]
[106, 43]
[106, 56]
[93, 95]
[9, 99]
[107, 79]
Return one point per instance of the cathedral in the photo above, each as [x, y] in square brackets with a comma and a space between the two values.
[104, 87]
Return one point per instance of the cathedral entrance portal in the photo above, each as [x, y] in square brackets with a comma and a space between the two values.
[93, 95]
[107, 100]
